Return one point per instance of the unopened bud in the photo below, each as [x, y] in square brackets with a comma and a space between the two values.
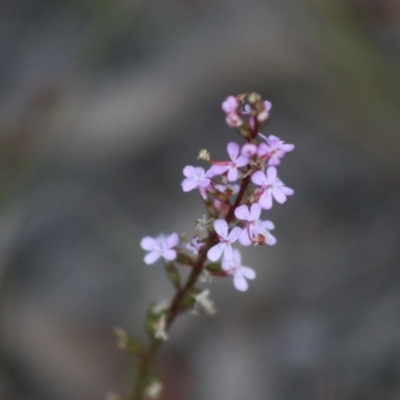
[212, 211]
[221, 197]
[204, 155]
[254, 98]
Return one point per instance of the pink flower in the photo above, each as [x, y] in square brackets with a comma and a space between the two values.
[255, 231]
[195, 178]
[160, 246]
[273, 149]
[239, 272]
[231, 167]
[249, 149]
[270, 186]
[230, 107]
[225, 240]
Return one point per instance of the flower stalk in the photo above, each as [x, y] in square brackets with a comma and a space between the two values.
[234, 193]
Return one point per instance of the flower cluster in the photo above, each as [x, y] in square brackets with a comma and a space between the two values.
[235, 191]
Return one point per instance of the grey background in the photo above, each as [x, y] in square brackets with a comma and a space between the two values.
[103, 103]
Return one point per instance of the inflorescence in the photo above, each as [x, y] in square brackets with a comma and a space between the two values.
[234, 192]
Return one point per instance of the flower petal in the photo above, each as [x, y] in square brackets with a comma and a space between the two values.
[243, 213]
[272, 174]
[148, 243]
[268, 225]
[255, 212]
[152, 257]
[228, 251]
[241, 161]
[232, 174]
[233, 150]
[172, 240]
[287, 191]
[279, 196]
[217, 169]
[247, 272]
[221, 227]
[287, 147]
[188, 184]
[234, 234]
[169, 254]
[244, 238]
[270, 239]
[259, 178]
[239, 282]
[266, 200]
[188, 171]
[215, 252]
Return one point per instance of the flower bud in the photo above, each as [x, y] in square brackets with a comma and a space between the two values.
[212, 211]
[221, 197]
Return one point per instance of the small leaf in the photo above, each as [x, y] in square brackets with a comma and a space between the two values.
[214, 267]
[173, 274]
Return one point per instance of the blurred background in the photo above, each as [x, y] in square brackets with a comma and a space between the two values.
[102, 104]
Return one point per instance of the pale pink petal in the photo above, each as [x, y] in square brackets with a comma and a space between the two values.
[241, 161]
[247, 272]
[279, 196]
[152, 257]
[255, 211]
[267, 225]
[244, 238]
[215, 252]
[172, 240]
[169, 254]
[217, 169]
[266, 200]
[263, 150]
[188, 184]
[267, 105]
[287, 191]
[233, 150]
[259, 178]
[228, 251]
[188, 171]
[204, 183]
[221, 227]
[148, 243]
[272, 174]
[287, 147]
[270, 239]
[243, 213]
[272, 139]
[232, 174]
[237, 258]
[239, 282]
[234, 234]
[274, 161]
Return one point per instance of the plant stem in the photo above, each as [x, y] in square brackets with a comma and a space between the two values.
[147, 358]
